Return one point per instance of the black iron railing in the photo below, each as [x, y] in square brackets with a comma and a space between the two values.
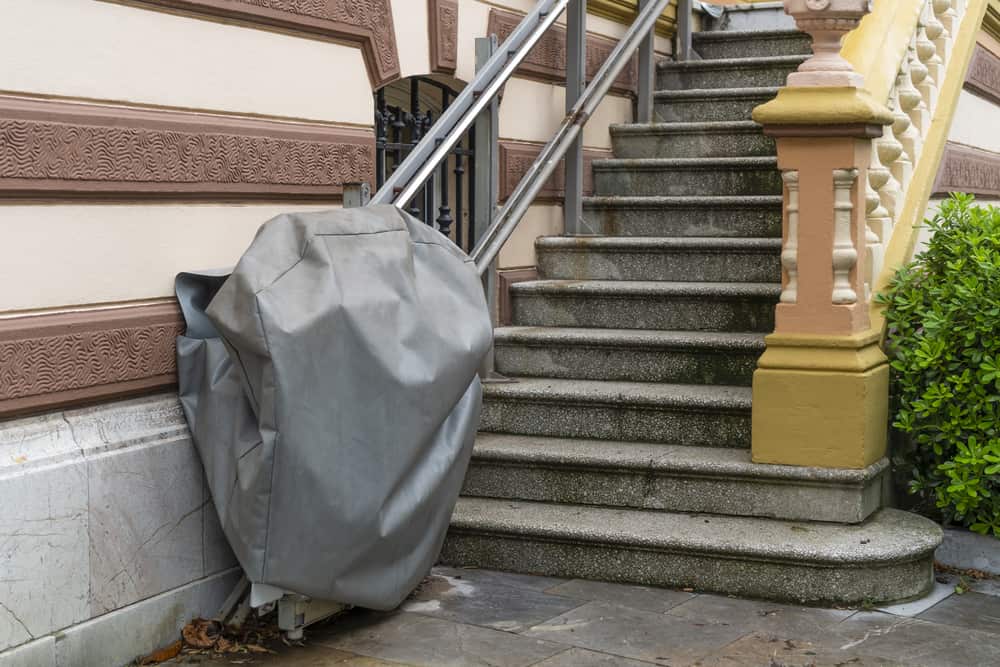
[450, 191]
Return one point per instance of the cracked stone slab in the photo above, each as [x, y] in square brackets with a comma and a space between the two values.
[146, 522]
[43, 549]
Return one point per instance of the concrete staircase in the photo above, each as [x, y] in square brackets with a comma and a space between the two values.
[621, 450]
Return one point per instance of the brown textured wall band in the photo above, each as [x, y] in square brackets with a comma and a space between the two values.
[367, 23]
[967, 169]
[53, 147]
[983, 76]
[56, 360]
[547, 61]
[442, 18]
[516, 157]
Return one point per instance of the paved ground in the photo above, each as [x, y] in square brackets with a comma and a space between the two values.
[479, 617]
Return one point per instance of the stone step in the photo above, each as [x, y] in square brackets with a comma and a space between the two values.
[700, 105]
[653, 258]
[676, 478]
[618, 304]
[887, 558]
[751, 43]
[714, 139]
[684, 216]
[726, 72]
[705, 415]
[687, 176]
[631, 355]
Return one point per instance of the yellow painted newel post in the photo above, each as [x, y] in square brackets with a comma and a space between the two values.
[820, 393]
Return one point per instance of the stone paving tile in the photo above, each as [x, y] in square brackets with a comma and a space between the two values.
[485, 601]
[433, 642]
[783, 621]
[941, 591]
[974, 611]
[765, 650]
[911, 641]
[578, 657]
[637, 634]
[985, 586]
[636, 597]
[513, 579]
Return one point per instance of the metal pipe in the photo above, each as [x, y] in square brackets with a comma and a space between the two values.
[534, 180]
[418, 165]
[576, 81]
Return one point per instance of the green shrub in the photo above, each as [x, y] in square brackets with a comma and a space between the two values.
[943, 316]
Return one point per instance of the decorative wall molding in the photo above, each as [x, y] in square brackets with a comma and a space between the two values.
[967, 169]
[442, 18]
[56, 147]
[54, 360]
[983, 75]
[547, 61]
[516, 157]
[506, 278]
[367, 23]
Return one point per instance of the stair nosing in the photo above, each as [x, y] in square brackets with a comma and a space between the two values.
[740, 35]
[643, 288]
[730, 63]
[739, 245]
[642, 395]
[687, 163]
[673, 460]
[668, 201]
[775, 540]
[652, 339]
[700, 93]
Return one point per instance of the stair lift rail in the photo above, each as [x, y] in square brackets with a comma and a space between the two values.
[506, 219]
[476, 98]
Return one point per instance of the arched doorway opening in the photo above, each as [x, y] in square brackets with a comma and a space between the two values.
[404, 111]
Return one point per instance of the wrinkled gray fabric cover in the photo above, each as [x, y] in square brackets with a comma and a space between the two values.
[330, 386]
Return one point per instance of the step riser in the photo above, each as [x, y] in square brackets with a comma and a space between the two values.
[764, 222]
[679, 265]
[686, 182]
[652, 144]
[788, 581]
[627, 364]
[708, 110]
[686, 78]
[752, 47]
[674, 493]
[677, 314]
[635, 423]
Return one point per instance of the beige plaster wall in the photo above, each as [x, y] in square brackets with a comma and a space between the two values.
[58, 255]
[976, 122]
[105, 51]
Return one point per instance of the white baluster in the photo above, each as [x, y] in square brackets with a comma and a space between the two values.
[944, 12]
[906, 129]
[790, 251]
[919, 114]
[928, 30]
[902, 134]
[845, 255]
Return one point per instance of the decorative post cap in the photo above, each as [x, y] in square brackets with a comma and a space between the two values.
[826, 21]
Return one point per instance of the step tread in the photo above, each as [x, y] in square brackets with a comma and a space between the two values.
[888, 536]
[732, 63]
[685, 201]
[644, 338]
[654, 458]
[685, 163]
[608, 392]
[711, 93]
[741, 35]
[641, 288]
[653, 244]
[687, 127]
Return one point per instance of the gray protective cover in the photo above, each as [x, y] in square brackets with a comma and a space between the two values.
[330, 385]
